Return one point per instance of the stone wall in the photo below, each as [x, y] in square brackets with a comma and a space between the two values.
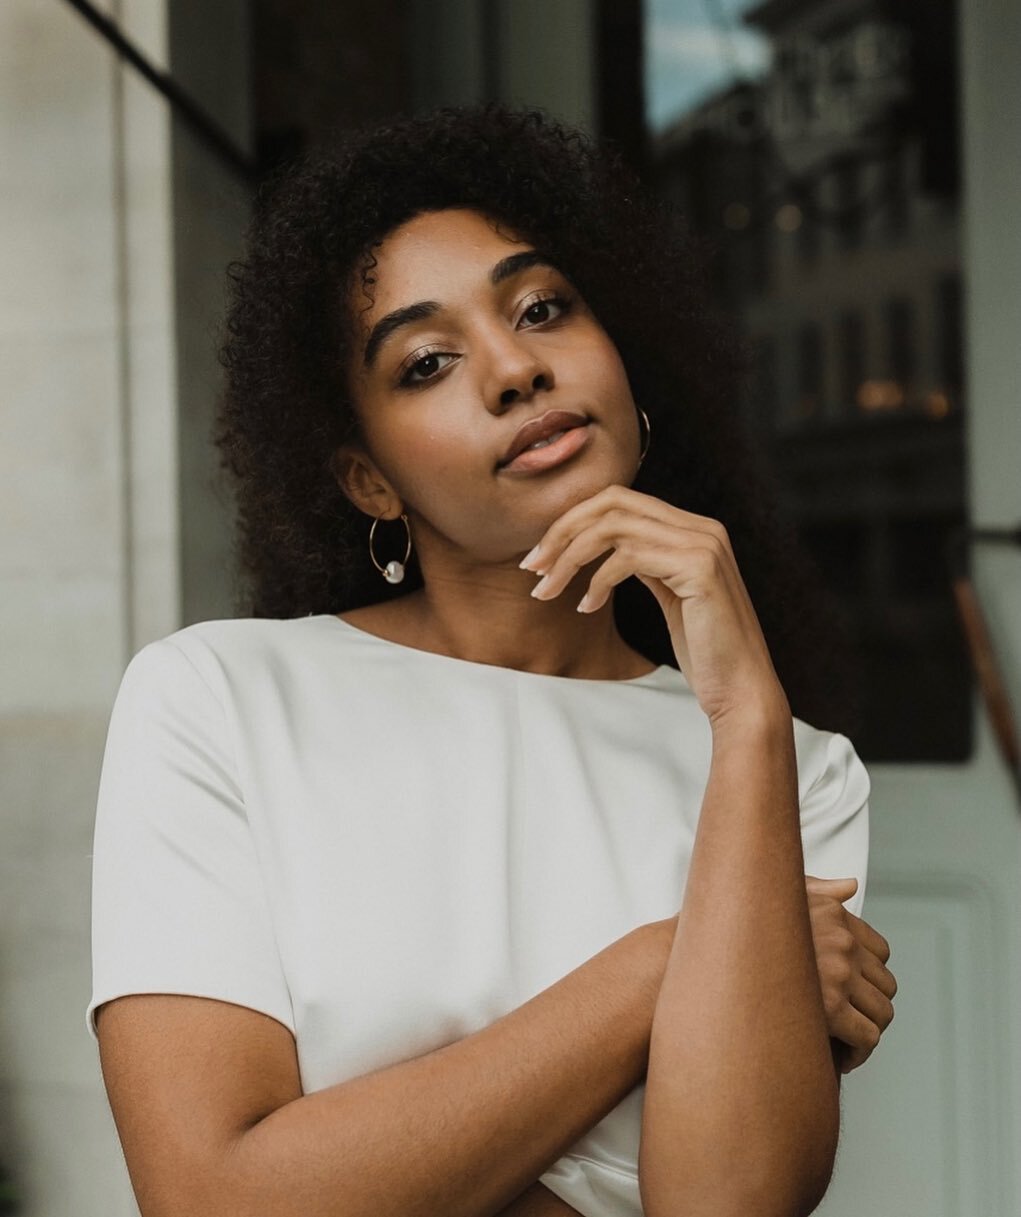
[112, 266]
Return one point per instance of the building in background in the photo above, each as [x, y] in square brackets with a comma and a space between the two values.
[321, 68]
[829, 187]
[117, 224]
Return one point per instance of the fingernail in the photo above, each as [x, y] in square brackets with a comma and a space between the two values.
[540, 587]
[529, 558]
[585, 603]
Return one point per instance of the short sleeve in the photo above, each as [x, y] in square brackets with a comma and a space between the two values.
[834, 810]
[178, 900]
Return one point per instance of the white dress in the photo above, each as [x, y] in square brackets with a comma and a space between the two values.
[386, 849]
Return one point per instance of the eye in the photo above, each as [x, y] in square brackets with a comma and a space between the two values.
[425, 364]
[538, 311]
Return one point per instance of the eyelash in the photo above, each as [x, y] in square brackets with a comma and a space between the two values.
[405, 380]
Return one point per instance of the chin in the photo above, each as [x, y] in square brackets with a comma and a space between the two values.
[576, 485]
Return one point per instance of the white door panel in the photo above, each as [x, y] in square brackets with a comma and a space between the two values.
[931, 1122]
[925, 1122]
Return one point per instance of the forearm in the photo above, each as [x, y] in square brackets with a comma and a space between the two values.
[741, 1104]
[464, 1129]
[538, 1201]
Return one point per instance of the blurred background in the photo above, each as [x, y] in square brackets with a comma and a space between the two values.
[857, 167]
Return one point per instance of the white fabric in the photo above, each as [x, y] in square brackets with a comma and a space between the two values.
[386, 849]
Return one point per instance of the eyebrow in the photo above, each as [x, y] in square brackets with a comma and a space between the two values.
[386, 326]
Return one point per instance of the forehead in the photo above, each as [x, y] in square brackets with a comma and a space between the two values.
[434, 250]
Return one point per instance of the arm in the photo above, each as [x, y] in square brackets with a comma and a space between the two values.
[189, 1079]
[857, 990]
[742, 1104]
[208, 1102]
[538, 1201]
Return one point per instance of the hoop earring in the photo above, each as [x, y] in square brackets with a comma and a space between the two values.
[648, 432]
[393, 572]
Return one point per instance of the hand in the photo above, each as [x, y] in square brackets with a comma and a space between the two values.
[686, 561]
[851, 956]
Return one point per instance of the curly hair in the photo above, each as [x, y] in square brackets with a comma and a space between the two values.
[301, 544]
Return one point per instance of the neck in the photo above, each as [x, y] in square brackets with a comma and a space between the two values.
[491, 618]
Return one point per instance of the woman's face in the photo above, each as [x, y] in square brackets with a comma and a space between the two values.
[449, 364]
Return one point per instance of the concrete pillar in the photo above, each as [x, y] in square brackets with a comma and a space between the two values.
[88, 545]
[114, 234]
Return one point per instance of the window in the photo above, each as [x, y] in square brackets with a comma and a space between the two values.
[858, 331]
[808, 230]
[851, 337]
[810, 371]
[901, 358]
[766, 400]
[849, 203]
[947, 334]
[894, 198]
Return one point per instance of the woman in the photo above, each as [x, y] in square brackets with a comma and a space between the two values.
[387, 876]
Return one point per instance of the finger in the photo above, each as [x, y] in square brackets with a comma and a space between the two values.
[642, 559]
[855, 1029]
[876, 973]
[868, 1000]
[642, 544]
[618, 567]
[871, 939]
[612, 498]
[658, 588]
[573, 521]
[836, 889]
[685, 564]
[854, 1058]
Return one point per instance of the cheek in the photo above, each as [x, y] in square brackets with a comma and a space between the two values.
[601, 360]
[436, 454]
[616, 373]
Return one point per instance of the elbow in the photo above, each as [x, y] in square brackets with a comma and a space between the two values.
[793, 1184]
[766, 1198]
[809, 1189]
[788, 1180]
[811, 1159]
[794, 1173]
[819, 1172]
[818, 1165]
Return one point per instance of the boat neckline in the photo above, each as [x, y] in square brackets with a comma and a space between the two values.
[495, 667]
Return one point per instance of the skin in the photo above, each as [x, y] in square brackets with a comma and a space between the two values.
[207, 1096]
[431, 450]
[857, 986]
[748, 1037]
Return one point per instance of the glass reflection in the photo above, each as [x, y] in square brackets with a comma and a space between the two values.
[814, 143]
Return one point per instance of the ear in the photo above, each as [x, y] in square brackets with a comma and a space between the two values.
[360, 479]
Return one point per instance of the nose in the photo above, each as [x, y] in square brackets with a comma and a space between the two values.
[541, 380]
[517, 372]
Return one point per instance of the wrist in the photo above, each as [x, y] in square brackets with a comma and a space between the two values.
[763, 714]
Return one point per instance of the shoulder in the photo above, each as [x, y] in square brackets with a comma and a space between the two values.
[828, 764]
[221, 650]
[242, 637]
[209, 671]
[260, 671]
[834, 791]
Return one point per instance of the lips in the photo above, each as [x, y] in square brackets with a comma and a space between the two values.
[541, 428]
